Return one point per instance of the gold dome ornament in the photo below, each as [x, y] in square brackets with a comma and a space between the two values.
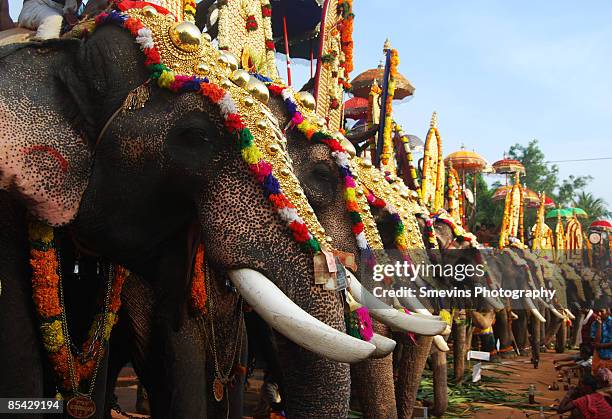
[306, 99]
[230, 60]
[186, 36]
[258, 89]
[149, 11]
[241, 77]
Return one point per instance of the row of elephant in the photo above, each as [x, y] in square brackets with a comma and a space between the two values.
[158, 182]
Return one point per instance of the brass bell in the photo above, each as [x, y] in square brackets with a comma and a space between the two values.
[241, 77]
[306, 99]
[258, 89]
[185, 36]
[149, 11]
[273, 149]
[231, 60]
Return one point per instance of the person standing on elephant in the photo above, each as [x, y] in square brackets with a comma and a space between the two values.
[46, 16]
[601, 332]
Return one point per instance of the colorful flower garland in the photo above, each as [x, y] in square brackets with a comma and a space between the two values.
[189, 10]
[46, 294]
[313, 133]
[345, 7]
[266, 13]
[251, 154]
[387, 150]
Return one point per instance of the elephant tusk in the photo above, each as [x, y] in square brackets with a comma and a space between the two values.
[556, 312]
[513, 315]
[569, 314]
[389, 315]
[538, 315]
[531, 306]
[441, 344]
[384, 345]
[294, 323]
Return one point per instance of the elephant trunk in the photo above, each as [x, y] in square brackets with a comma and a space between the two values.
[440, 378]
[459, 344]
[373, 383]
[410, 368]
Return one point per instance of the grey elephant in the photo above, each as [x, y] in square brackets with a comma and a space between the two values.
[138, 190]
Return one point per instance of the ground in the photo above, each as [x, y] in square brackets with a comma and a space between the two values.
[515, 375]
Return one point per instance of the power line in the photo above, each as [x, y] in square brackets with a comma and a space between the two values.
[573, 160]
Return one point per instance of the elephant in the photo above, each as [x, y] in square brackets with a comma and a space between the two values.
[142, 191]
[320, 178]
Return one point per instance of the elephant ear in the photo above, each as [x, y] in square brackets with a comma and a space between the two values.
[44, 159]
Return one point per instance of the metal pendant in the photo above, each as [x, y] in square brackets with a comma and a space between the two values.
[218, 389]
[81, 407]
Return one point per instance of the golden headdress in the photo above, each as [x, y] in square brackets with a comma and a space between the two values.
[432, 184]
[181, 59]
[245, 30]
[512, 223]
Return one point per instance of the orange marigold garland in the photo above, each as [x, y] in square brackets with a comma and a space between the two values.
[46, 295]
[346, 39]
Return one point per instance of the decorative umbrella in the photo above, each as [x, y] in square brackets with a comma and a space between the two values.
[549, 203]
[508, 167]
[578, 212]
[563, 212]
[501, 192]
[356, 108]
[416, 144]
[302, 18]
[363, 82]
[601, 225]
[531, 197]
[466, 161]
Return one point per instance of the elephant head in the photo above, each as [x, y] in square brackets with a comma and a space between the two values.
[140, 183]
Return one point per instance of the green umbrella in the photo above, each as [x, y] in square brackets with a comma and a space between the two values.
[565, 212]
[578, 212]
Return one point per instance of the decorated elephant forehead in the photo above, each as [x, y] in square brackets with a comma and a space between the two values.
[181, 60]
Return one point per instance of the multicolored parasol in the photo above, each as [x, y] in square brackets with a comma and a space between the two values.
[302, 18]
[578, 212]
[508, 167]
[356, 108]
[601, 225]
[466, 161]
[563, 212]
[363, 82]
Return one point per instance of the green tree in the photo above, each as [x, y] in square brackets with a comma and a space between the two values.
[594, 207]
[569, 189]
[539, 175]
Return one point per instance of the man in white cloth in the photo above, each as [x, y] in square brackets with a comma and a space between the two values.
[46, 16]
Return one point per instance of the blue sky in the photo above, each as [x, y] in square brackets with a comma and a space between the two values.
[499, 72]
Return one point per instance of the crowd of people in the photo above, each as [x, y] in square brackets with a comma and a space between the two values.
[592, 397]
